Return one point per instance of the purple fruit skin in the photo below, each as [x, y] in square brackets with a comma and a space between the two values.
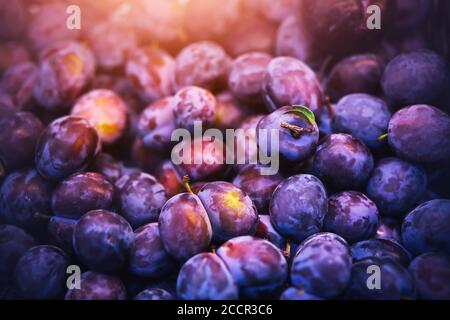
[343, 161]
[154, 294]
[267, 231]
[396, 282]
[420, 133]
[289, 81]
[202, 64]
[257, 186]
[427, 227]
[363, 116]
[60, 233]
[396, 186]
[359, 73]
[152, 73]
[22, 194]
[258, 267]
[81, 193]
[246, 76]
[414, 78]
[431, 273]
[103, 240]
[141, 198]
[230, 211]
[66, 146]
[206, 277]
[184, 226]
[41, 273]
[14, 242]
[192, 104]
[298, 207]
[352, 215]
[322, 265]
[98, 286]
[66, 69]
[18, 138]
[294, 149]
[156, 124]
[380, 248]
[148, 258]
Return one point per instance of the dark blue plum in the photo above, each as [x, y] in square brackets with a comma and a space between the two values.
[395, 281]
[156, 124]
[14, 242]
[184, 226]
[292, 41]
[267, 231]
[298, 207]
[352, 215]
[103, 240]
[415, 78]
[18, 138]
[66, 69]
[206, 277]
[230, 211]
[343, 161]
[293, 293]
[363, 116]
[66, 146]
[17, 81]
[154, 294]
[380, 248]
[41, 273]
[340, 26]
[431, 273]
[141, 197]
[23, 194]
[322, 265]
[81, 193]
[258, 267]
[427, 227]
[204, 64]
[359, 73]
[246, 76]
[192, 104]
[60, 233]
[148, 258]
[257, 186]
[105, 164]
[389, 229]
[420, 133]
[98, 286]
[298, 133]
[289, 81]
[396, 186]
[151, 72]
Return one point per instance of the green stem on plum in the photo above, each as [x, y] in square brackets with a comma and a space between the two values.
[38, 215]
[382, 137]
[296, 131]
[213, 248]
[186, 180]
[287, 250]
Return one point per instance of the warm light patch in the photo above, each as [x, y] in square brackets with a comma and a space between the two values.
[107, 129]
[233, 201]
[73, 64]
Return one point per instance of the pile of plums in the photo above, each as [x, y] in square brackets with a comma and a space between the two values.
[90, 190]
